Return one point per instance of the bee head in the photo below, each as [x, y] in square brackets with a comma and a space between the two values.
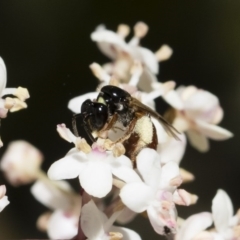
[115, 98]
[95, 114]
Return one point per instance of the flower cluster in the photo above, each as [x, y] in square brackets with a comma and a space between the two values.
[11, 104]
[150, 183]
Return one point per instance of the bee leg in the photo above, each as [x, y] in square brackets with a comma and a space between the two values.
[110, 124]
[74, 124]
[87, 130]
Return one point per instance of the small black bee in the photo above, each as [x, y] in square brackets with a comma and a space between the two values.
[115, 106]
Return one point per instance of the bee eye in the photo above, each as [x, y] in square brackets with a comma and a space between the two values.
[119, 107]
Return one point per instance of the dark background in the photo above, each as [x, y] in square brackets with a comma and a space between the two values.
[46, 47]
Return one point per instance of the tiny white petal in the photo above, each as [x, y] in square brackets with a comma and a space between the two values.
[67, 167]
[158, 220]
[96, 179]
[109, 42]
[52, 195]
[222, 210]
[91, 221]
[198, 140]
[166, 149]
[194, 225]
[61, 225]
[65, 133]
[75, 103]
[137, 196]
[213, 131]
[149, 59]
[126, 216]
[3, 76]
[169, 171]
[3, 202]
[173, 99]
[148, 164]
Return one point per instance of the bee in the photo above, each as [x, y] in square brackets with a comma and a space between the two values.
[114, 109]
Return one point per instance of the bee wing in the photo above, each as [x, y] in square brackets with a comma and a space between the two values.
[172, 131]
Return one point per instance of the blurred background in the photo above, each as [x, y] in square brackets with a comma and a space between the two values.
[46, 47]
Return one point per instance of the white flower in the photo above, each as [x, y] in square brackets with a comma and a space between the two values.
[226, 224]
[21, 162]
[62, 222]
[157, 193]
[96, 226]
[95, 169]
[3, 198]
[200, 114]
[125, 54]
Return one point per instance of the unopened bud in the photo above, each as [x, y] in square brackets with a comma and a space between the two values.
[99, 72]
[164, 53]
[42, 221]
[186, 176]
[140, 29]
[123, 30]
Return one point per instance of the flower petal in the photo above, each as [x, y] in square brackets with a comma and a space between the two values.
[147, 57]
[213, 131]
[62, 225]
[148, 164]
[222, 210]
[194, 225]
[3, 76]
[124, 173]
[201, 105]
[75, 103]
[126, 216]
[198, 140]
[96, 179]
[109, 42]
[3, 202]
[128, 234]
[53, 195]
[65, 133]
[166, 149]
[173, 99]
[91, 221]
[160, 221]
[67, 167]
[137, 196]
[169, 171]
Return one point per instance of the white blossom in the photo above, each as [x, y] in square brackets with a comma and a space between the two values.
[156, 193]
[96, 226]
[21, 163]
[124, 54]
[94, 169]
[199, 116]
[62, 222]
